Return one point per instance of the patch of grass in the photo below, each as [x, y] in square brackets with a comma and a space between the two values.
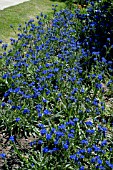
[18, 14]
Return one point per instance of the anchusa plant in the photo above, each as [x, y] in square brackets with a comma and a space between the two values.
[56, 94]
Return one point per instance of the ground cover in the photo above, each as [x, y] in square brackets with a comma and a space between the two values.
[57, 99]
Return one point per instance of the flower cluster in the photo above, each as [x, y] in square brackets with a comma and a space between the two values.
[57, 83]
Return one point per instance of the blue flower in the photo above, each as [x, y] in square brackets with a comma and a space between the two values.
[45, 149]
[82, 90]
[40, 142]
[109, 164]
[89, 150]
[3, 155]
[102, 167]
[96, 53]
[108, 39]
[104, 142]
[3, 104]
[75, 119]
[98, 85]
[56, 141]
[70, 135]
[74, 157]
[93, 75]
[26, 111]
[70, 122]
[0, 41]
[87, 99]
[100, 77]
[111, 149]
[81, 168]
[93, 160]
[44, 100]
[91, 131]
[32, 143]
[41, 125]
[82, 151]
[5, 76]
[59, 134]
[72, 131]
[9, 101]
[101, 128]
[43, 131]
[109, 82]
[84, 141]
[62, 126]
[48, 136]
[104, 60]
[95, 59]
[99, 161]
[39, 115]
[17, 119]
[89, 123]
[47, 112]
[96, 149]
[55, 149]
[32, 164]
[65, 146]
[95, 102]
[11, 138]
[103, 108]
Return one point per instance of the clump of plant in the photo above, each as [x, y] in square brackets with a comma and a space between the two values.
[96, 33]
[54, 113]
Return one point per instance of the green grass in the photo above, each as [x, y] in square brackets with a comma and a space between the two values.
[18, 14]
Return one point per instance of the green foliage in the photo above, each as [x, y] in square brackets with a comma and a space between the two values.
[81, 2]
[70, 3]
[55, 112]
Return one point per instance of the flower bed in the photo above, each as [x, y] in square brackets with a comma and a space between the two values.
[57, 89]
